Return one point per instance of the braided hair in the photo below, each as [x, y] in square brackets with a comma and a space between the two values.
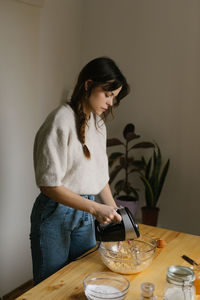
[103, 72]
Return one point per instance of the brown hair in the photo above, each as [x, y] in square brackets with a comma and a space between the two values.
[102, 72]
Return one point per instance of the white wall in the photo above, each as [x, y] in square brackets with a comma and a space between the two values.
[156, 44]
[19, 35]
[39, 57]
[60, 51]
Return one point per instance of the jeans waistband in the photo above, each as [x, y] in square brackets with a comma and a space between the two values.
[91, 197]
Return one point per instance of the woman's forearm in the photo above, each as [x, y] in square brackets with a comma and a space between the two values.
[103, 213]
[107, 197]
[66, 197]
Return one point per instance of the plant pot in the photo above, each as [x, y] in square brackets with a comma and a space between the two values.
[127, 201]
[150, 215]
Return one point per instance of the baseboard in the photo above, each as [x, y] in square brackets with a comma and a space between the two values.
[19, 291]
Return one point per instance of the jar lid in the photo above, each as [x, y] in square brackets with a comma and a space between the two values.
[180, 274]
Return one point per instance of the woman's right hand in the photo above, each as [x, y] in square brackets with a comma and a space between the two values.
[106, 214]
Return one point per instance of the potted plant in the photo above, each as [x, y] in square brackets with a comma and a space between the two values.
[153, 176]
[124, 192]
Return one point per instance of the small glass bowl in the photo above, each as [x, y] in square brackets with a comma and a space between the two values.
[105, 285]
[128, 257]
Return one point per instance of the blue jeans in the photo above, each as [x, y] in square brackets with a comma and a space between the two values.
[59, 234]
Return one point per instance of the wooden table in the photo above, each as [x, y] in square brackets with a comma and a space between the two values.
[67, 282]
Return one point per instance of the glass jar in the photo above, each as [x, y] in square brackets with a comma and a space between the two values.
[147, 289]
[180, 284]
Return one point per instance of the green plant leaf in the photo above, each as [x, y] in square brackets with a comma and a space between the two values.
[130, 160]
[119, 186]
[154, 163]
[142, 145]
[162, 178]
[135, 193]
[148, 169]
[131, 136]
[144, 160]
[114, 142]
[119, 161]
[123, 162]
[114, 173]
[149, 192]
[138, 163]
[134, 170]
[129, 128]
[127, 189]
[115, 156]
[154, 179]
[157, 173]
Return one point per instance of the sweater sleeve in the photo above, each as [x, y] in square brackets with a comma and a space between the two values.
[50, 154]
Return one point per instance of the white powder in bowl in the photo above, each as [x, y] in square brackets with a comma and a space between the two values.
[102, 292]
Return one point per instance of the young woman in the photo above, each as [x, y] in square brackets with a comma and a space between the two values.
[71, 167]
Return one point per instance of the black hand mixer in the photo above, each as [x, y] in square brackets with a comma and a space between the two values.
[127, 229]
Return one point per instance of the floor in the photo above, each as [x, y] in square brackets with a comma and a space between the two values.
[19, 291]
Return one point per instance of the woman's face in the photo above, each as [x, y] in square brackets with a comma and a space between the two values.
[100, 100]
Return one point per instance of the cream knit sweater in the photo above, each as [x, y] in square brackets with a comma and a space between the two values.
[59, 158]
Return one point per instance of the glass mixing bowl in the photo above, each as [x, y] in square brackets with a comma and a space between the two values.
[105, 285]
[128, 257]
